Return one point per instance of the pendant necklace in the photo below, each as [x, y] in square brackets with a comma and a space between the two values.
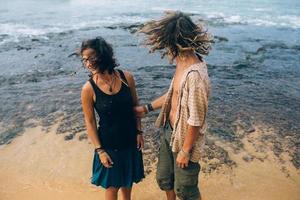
[110, 84]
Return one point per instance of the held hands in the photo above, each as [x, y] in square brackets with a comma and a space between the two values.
[140, 111]
[105, 159]
[140, 141]
[182, 159]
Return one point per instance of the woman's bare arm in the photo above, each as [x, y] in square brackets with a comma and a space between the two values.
[87, 101]
[131, 83]
[132, 87]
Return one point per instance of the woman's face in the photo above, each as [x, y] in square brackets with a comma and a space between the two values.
[89, 59]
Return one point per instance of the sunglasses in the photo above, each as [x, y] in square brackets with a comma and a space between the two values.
[90, 59]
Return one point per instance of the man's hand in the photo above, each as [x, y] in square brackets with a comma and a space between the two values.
[182, 159]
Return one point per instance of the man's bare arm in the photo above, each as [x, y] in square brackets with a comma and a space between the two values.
[190, 138]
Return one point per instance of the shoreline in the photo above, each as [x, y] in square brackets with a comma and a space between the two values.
[40, 165]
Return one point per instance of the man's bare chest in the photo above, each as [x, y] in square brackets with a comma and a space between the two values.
[176, 88]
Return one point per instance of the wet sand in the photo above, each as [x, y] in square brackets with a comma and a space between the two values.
[40, 165]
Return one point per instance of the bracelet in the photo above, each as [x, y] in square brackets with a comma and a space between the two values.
[140, 132]
[99, 150]
[149, 107]
[146, 108]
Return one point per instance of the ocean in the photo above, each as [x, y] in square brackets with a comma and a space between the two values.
[253, 65]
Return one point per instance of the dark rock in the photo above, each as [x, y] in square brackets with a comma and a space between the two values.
[19, 48]
[296, 159]
[111, 27]
[83, 136]
[251, 130]
[247, 158]
[69, 137]
[221, 39]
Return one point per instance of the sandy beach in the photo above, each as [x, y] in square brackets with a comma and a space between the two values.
[39, 165]
[252, 150]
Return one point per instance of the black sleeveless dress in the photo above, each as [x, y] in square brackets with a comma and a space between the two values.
[117, 133]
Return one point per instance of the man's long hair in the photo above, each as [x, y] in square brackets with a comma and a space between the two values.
[176, 33]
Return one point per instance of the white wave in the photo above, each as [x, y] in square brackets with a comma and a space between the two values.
[279, 21]
[26, 30]
[161, 8]
[107, 21]
[215, 15]
[290, 20]
[14, 32]
[261, 22]
[261, 9]
[19, 29]
[233, 19]
[10, 39]
[23, 30]
[124, 19]
[88, 2]
[287, 21]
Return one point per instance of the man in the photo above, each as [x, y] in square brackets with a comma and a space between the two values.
[184, 106]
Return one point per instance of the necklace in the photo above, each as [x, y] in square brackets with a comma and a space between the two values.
[110, 84]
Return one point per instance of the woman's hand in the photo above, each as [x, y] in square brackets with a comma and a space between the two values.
[140, 111]
[105, 159]
[140, 141]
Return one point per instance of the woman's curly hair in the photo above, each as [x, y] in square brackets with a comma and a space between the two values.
[105, 59]
[175, 33]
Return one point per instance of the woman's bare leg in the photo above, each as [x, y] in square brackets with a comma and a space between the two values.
[126, 193]
[111, 193]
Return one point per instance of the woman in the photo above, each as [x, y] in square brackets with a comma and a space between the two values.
[118, 140]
